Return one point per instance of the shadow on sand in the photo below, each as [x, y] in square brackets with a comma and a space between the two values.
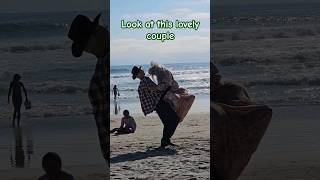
[143, 155]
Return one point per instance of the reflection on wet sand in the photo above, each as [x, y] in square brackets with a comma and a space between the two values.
[116, 107]
[17, 158]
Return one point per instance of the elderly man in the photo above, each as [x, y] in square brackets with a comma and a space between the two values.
[88, 36]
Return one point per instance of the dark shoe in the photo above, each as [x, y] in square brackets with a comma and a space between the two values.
[165, 143]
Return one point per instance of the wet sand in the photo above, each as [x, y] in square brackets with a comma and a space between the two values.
[73, 138]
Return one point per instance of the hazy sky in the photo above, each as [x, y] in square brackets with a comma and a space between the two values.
[51, 5]
[131, 47]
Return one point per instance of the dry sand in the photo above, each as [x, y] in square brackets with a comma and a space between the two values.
[290, 149]
[135, 156]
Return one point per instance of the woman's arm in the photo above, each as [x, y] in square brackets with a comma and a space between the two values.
[9, 93]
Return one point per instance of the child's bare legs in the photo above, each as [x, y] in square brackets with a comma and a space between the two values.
[14, 117]
[18, 116]
[16, 113]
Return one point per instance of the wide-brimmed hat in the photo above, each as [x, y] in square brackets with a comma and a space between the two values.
[80, 32]
[135, 71]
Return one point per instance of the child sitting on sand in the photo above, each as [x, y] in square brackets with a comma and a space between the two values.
[128, 124]
[51, 164]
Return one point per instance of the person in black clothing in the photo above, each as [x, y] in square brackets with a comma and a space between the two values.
[15, 88]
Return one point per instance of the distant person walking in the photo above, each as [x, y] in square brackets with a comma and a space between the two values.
[15, 88]
[93, 38]
[115, 92]
[151, 99]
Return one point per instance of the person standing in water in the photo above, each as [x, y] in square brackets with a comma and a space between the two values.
[115, 92]
[15, 88]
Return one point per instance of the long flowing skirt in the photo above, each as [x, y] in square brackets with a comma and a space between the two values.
[181, 101]
[236, 134]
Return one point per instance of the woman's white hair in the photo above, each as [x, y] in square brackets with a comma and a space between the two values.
[154, 68]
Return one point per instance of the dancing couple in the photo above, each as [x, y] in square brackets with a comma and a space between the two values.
[170, 101]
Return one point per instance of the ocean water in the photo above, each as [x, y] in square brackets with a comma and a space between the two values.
[195, 77]
[36, 46]
[272, 49]
[257, 15]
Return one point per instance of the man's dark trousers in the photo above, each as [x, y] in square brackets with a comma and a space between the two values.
[169, 118]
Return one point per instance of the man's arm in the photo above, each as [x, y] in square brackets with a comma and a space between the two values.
[151, 86]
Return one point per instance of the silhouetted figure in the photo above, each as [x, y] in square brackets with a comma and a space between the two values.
[15, 88]
[88, 36]
[115, 92]
[128, 124]
[52, 164]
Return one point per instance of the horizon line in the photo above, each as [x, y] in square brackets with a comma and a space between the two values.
[162, 63]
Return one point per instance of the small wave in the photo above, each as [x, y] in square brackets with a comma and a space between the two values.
[120, 76]
[33, 28]
[263, 33]
[236, 60]
[198, 87]
[57, 88]
[264, 20]
[286, 82]
[34, 47]
[120, 70]
[193, 80]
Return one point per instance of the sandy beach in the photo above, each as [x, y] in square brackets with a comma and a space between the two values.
[290, 147]
[73, 138]
[136, 156]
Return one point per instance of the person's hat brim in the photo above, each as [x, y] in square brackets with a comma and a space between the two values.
[78, 47]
